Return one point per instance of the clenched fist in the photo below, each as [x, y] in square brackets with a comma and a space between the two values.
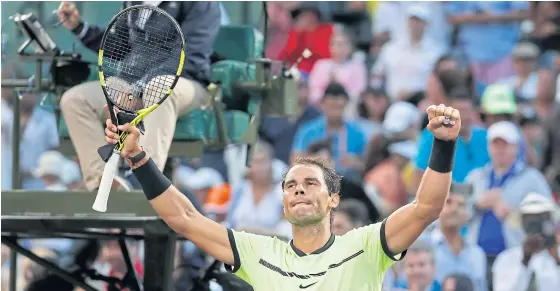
[445, 122]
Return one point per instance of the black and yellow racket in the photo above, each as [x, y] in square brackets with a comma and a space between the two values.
[140, 60]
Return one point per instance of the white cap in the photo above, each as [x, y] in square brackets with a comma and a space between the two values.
[50, 163]
[535, 203]
[203, 178]
[400, 116]
[407, 149]
[419, 12]
[71, 172]
[504, 130]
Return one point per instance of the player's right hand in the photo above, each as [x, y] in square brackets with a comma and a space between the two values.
[68, 15]
[131, 146]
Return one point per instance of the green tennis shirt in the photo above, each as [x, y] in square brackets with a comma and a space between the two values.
[351, 262]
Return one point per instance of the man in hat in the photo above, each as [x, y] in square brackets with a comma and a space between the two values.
[535, 265]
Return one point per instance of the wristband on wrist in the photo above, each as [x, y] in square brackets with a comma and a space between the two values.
[152, 180]
[442, 156]
[137, 158]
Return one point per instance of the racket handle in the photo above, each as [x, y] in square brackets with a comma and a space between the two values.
[109, 174]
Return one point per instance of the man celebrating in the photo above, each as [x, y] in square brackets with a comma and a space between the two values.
[315, 259]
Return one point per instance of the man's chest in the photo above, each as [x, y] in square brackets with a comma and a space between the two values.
[315, 273]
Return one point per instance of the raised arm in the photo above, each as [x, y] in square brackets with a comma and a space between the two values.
[406, 224]
[169, 203]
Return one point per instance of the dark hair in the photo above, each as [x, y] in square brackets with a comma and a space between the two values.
[462, 282]
[443, 58]
[332, 179]
[362, 110]
[461, 93]
[335, 90]
[356, 211]
[324, 144]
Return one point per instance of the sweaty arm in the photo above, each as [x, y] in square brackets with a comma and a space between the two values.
[406, 224]
[180, 214]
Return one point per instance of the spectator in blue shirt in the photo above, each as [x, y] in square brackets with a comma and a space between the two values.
[499, 188]
[348, 139]
[487, 33]
[471, 152]
[452, 253]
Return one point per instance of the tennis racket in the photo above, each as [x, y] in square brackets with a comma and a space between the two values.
[140, 60]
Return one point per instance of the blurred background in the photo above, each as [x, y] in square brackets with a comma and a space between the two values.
[375, 68]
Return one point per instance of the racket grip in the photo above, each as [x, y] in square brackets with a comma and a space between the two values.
[109, 173]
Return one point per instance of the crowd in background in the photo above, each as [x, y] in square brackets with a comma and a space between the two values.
[375, 67]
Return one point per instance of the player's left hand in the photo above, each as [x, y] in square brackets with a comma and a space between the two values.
[445, 122]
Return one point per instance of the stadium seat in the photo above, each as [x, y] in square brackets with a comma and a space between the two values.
[237, 44]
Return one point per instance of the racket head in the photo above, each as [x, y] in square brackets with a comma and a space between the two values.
[141, 58]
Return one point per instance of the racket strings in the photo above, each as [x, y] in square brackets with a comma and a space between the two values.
[144, 53]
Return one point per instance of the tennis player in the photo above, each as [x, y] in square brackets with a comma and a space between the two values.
[315, 259]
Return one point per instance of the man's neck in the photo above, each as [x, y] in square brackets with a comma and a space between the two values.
[453, 239]
[311, 238]
[333, 125]
[501, 169]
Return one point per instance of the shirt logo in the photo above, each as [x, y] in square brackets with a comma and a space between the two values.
[301, 286]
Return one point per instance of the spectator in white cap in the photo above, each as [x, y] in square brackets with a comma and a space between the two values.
[201, 182]
[72, 177]
[499, 188]
[535, 265]
[404, 65]
[51, 170]
[402, 121]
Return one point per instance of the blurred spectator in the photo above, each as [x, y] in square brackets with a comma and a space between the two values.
[436, 92]
[38, 135]
[471, 152]
[348, 139]
[533, 133]
[350, 188]
[281, 131]
[499, 188]
[406, 64]
[32, 271]
[457, 282]
[350, 214]
[355, 17]
[402, 121]
[371, 111]
[394, 194]
[535, 265]
[525, 81]
[551, 157]
[50, 170]
[72, 177]
[207, 185]
[419, 268]
[339, 68]
[487, 33]
[391, 20]
[452, 253]
[279, 25]
[498, 104]
[308, 32]
[256, 205]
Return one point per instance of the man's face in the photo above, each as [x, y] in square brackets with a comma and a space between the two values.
[341, 223]
[261, 168]
[524, 66]
[333, 107]
[502, 153]
[419, 268]
[306, 197]
[454, 212]
[465, 107]
[306, 21]
[340, 46]
[416, 27]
